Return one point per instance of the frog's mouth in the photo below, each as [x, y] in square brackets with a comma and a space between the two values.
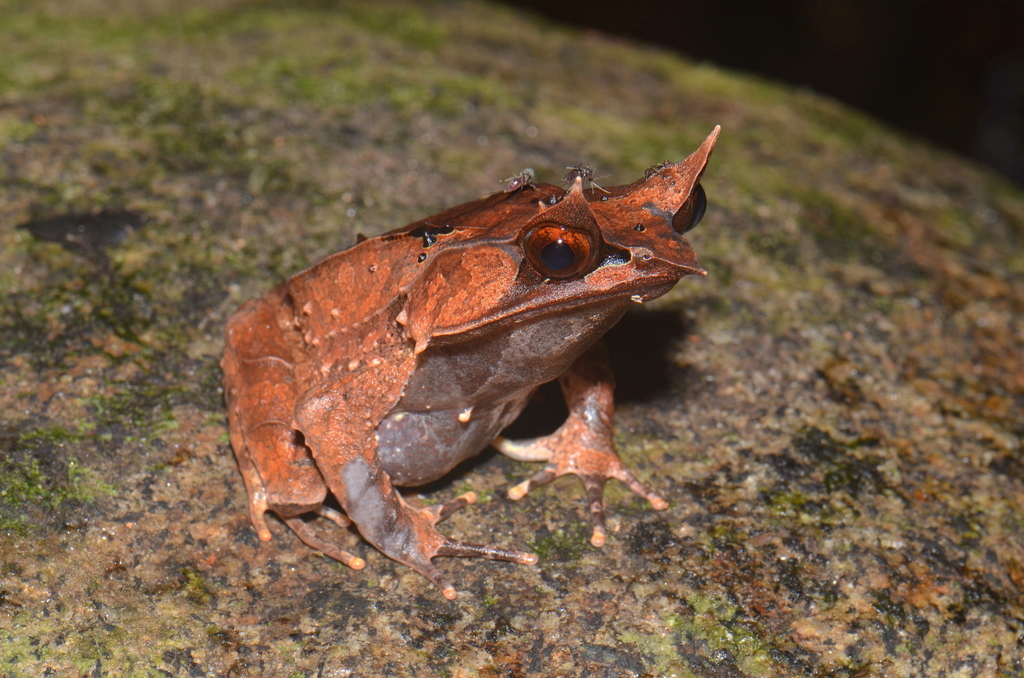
[637, 273]
[555, 297]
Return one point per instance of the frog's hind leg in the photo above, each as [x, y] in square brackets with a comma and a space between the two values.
[276, 465]
[343, 442]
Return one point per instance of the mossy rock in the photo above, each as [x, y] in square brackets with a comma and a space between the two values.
[835, 413]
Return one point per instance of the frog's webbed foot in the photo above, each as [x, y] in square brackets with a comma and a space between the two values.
[583, 445]
[579, 450]
[424, 542]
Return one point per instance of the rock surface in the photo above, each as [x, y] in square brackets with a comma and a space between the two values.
[835, 413]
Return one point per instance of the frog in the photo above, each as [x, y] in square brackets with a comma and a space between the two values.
[387, 364]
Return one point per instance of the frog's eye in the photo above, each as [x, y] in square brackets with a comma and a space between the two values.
[692, 211]
[558, 251]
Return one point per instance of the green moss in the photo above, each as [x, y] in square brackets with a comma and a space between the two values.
[143, 408]
[955, 229]
[842, 471]
[35, 475]
[785, 501]
[77, 305]
[835, 124]
[22, 482]
[86, 485]
[723, 532]
[567, 544]
[841, 233]
[40, 642]
[188, 128]
[17, 647]
[184, 128]
[49, 435]
[715, 623]
[407, 90]
[49, 51]
[776, 246]
[662, 648]
[287, 62]
[405, 23]
[196, 589]
[853, 477]
[26, 483]
[13, 130]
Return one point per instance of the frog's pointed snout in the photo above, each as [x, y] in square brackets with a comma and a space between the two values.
[669, 259]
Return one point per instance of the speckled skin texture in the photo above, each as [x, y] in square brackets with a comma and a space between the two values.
[834, 413]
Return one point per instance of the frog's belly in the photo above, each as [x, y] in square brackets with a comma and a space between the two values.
[416, 448]
[494, 374]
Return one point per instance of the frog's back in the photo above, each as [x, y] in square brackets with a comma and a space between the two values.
[349, 289]
[345, 289]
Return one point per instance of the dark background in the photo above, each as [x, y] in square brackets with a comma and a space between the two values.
[951, 72]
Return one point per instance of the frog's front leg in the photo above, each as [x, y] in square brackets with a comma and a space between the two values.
[339, 423]
[584, 445]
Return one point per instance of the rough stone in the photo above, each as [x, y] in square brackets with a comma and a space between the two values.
[835, 413]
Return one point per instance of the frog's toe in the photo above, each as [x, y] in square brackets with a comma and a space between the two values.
[418, 557]
[258, 503]
[460, 549]
[337, 517]
[626, 477]
[594, 485]
[536, 449]
[417, 554]
[438, 580]
[594, 480]
[542, 477]
[452, 547]
[310, 538]
[441, 511]
[257, 516]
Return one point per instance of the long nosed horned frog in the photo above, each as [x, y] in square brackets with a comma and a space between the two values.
[389, 363]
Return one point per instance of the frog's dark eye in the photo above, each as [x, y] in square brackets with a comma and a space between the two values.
[558, 251]
[692, 211]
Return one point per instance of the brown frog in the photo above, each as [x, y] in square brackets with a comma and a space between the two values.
[389, 363]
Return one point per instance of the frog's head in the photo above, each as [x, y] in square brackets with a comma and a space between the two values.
[627, 240]
[541, 249]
